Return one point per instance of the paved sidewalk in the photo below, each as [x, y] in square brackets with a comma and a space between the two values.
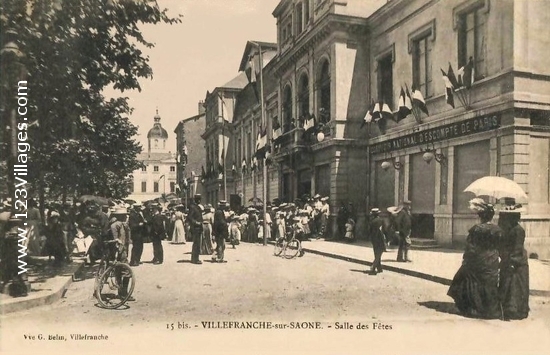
[48, 284]
[437, 264]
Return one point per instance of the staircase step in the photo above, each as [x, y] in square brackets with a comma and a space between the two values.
[418, 243]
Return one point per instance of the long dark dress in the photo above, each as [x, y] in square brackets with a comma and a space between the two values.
[514, 274]
[475, 285]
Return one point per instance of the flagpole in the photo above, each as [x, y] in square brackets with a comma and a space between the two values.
[223, 157]
[264, 125]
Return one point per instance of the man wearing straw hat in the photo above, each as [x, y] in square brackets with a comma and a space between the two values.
[120, 231]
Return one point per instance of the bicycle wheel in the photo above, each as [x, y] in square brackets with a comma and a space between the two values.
[115, 286]
[293, 249]
[279, 246]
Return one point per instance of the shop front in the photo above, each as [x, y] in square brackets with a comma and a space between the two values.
[431, 167]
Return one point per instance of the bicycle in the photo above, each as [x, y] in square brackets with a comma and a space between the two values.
[115, 280]
[288, 245]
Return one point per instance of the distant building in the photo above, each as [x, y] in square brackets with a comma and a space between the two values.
[190, 150]
[158, 176]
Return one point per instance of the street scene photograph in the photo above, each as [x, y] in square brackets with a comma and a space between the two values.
[274, 177]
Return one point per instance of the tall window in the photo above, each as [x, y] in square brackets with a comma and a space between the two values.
[172, 168]
[303, 97]
[385, 79]
[155, 168]
[172, 186]
[155, 186]
[422, 65]
[306, 12]
[287, 109]
[324, 93]
[299, 18]
[471, 40]
[144, 168]
[144, 186]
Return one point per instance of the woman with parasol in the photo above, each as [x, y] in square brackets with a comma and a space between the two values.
[475, 286]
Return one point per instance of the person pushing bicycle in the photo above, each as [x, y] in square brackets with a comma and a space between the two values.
[120, 232]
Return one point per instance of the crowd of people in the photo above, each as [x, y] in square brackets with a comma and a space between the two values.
[493, 281]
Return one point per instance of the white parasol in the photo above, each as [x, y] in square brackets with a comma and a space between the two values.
[497, 187]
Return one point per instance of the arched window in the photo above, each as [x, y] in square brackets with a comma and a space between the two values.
[303, 97]
[324, 93]
[287, 109]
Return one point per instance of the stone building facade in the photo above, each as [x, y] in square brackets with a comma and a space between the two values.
[334, 60]
[158, 176]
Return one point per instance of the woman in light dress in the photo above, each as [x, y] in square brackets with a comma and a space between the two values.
[207, 220]
[178, 236]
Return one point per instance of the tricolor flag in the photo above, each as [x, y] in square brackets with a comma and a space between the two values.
[385, 111]
[254, 164]
[418, 99]
[465, 75]
[368, 115]
[233, 169]
[376, 115]
[261, 143]
[405, 105]
[220, 170]
[243, 166]
[448, 89]
[251, 73]
[203, 174]
[184, 150]
[452, 78]
[277, 131]
[309, 122]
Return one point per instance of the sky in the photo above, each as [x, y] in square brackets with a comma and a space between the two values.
[199, 54]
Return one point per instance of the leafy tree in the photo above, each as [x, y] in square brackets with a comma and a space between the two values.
[74, 50]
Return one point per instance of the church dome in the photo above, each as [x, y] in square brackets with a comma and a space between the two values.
[157, 131]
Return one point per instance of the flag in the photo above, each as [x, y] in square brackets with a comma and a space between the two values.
[243, 166]
[465, 74]
[448, 89]
[250, 70]
[184, 150]
[418, 99]
[277, 132]
[452, 78]
[254, 164]
[368, 115]
[309, 123]
[251, 73]
[262, 139]
[233, 169]
[220, 169]
[203, 174]
[376, 115]
[386, 112]
[405, 105]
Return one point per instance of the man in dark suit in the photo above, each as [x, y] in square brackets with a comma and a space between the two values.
[138, 229]
[195, 227]
[404, 226]
[221, 231]
[158, 233]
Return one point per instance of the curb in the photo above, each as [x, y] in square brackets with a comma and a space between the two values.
[17, 304]
[413, 273]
